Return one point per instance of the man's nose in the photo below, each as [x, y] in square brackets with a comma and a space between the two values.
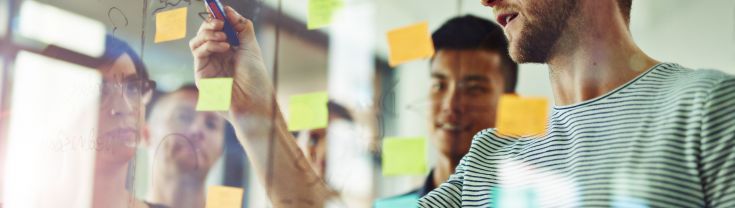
[452, 102]
[196, 130]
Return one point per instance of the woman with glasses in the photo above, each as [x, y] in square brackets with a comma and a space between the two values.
[125, 91]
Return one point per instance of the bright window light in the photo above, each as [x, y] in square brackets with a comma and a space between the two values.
[62, 28]
[4, 12]
[53, 112]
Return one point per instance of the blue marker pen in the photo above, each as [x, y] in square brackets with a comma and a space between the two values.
[216, 9]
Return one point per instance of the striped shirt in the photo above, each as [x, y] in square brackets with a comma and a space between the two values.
[664, 139]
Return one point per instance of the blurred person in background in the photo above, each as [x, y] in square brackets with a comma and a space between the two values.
[313, 142]
[340, 156]
[126, 90]
[183, 145]
[470, 71]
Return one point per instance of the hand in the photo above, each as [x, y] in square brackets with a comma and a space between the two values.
[214, 57]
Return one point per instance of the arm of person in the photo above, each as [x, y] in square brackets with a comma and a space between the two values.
[259, 126]
[448, 194]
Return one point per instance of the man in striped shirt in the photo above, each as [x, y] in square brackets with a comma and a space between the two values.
[626, 131]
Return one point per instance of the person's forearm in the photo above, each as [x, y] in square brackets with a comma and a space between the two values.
[280, 165]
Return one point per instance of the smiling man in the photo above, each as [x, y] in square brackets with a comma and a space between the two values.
[469, 73]
[627, 130]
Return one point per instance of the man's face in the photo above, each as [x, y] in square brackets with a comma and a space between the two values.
[466, 86]
[121, 111]
[533, 27]
[181, 136]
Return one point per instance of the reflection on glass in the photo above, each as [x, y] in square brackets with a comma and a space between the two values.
[55, 26]
[48, 162]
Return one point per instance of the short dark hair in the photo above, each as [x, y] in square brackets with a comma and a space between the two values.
[469, 33]
[625, 6]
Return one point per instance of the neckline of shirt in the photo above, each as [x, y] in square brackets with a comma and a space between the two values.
[612, 92]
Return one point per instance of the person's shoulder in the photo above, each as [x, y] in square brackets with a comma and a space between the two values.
[410, 198]
[490, 140]
[702, 79]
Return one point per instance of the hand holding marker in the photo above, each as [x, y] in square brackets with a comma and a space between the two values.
[216, 9]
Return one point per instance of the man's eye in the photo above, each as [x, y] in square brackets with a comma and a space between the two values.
[476, 90]
[438, 86]
[211, 124]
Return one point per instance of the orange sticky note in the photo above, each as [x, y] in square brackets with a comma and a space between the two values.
[224, 197]
[410, 43]
[522, 116]
[170, 25]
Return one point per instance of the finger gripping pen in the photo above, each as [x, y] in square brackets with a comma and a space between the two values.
[217, 10]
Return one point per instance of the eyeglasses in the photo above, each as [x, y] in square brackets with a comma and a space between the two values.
[134, 90]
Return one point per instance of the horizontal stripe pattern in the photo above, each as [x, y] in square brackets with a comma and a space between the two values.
[664, 139]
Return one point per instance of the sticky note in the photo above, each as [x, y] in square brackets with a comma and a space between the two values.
[321, 12]
[409, 43]
[404, 156]
[522, 116]
[170, 25]
[224, 197]
[308, 111]
[215, 94]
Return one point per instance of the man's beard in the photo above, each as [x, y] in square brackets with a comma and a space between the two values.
[541, 33]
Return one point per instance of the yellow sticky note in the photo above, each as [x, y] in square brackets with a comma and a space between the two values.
[224, 197]
[410, 43]
[321, 12]
[404, 156]
[308, 111]
[522, 116]
[170, 25]
[215, 94]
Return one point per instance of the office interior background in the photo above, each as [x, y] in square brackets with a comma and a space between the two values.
[348, 59]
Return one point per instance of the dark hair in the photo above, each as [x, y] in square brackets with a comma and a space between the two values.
[114, 48]
[469, 33]
[339, 111]
[625, 6]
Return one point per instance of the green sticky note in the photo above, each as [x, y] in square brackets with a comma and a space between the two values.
[404, 156]
[215, 94]
[321, 12]
[308, 111]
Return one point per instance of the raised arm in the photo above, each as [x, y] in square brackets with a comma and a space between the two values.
[259, 125]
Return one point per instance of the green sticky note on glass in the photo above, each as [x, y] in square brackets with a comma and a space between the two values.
[215, 94]
[404, 156]
[308, 111]
[321, 12]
